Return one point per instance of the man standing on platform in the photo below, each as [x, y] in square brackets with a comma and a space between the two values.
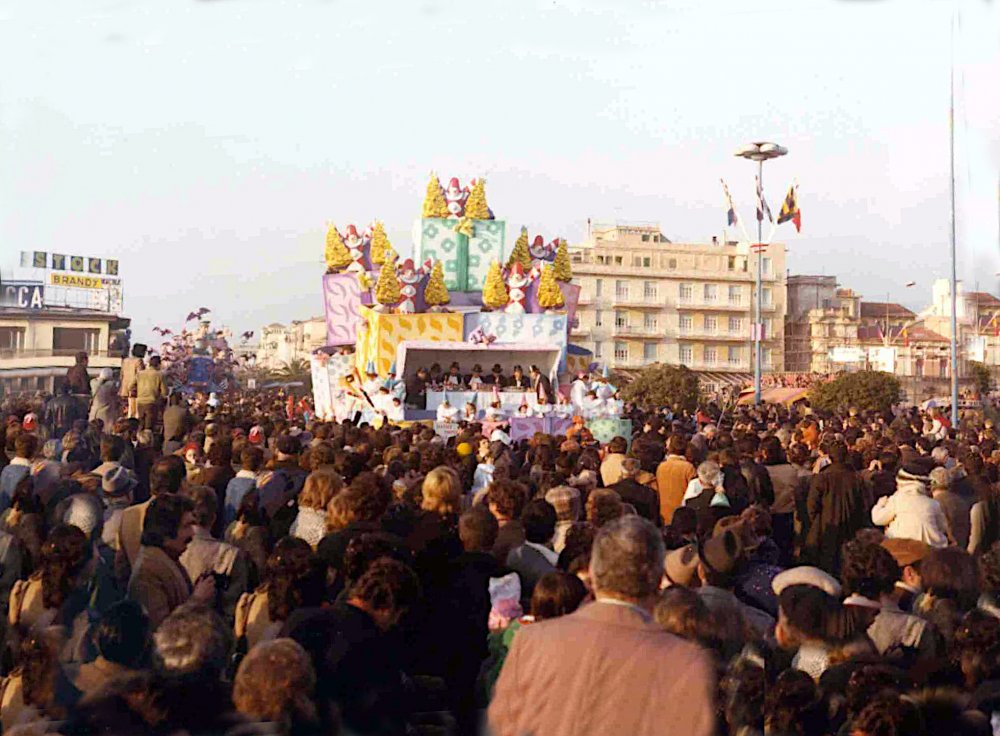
[150, 393]
[130, 368]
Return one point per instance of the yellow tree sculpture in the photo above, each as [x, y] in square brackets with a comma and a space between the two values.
[521, 254]
[387, 287]
[380, 244]
[549, 294]
[475, 205]
[434, 204]
[495, 290]
[563, 269]
[337, 255]
[436, 293]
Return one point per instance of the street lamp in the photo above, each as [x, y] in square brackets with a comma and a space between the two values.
[759, 152]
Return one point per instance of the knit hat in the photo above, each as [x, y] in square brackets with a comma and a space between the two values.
[52, 449]
[681, 565]
[117, 482]
[85, 513]
[906, 551]
[722, 553]
[566, 501]
[500, 436]
[912, 471]
[30, 423]
[464, 449]
[806, 575]
[256, 436]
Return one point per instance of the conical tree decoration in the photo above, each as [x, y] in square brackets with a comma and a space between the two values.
[475, 205]
[390, 255]
[380, 243]
[387, 287]
[434, 203]
[563, 269]
[436, 293]
[549, 294]
[494, 289]
[521, 254]
[337, 255]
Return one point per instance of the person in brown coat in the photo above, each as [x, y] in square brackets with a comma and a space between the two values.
[159, 583]
[609, 658]
[673, 476]
[165, 477]
[836, 508]
[506, 500]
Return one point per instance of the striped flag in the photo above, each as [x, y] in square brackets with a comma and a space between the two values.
[762, 209]
[731, 215]
[790, 209]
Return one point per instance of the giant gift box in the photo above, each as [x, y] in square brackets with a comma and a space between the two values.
[605, 429]
[465, 258]
[380, 334]
[532, 329]
[342, 300]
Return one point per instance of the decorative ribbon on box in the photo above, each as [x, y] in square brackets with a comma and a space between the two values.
[605, 429]
[533, 329]
[381, 334]
[465, 248]
[342, 300]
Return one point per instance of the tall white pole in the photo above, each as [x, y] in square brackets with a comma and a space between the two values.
[954, 258]
[757, 373]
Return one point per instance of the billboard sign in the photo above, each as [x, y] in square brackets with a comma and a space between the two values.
[22, 295]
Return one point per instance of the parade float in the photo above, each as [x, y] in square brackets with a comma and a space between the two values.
[199, 359]
[462, 299]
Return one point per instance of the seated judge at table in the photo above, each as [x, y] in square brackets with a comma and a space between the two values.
[416, 389]
[475, 379]
[496, 377]
[454, 377]
[436, 376]
[519, 380]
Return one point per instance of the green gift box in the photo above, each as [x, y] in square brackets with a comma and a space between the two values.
[605, 429]
[465, 249]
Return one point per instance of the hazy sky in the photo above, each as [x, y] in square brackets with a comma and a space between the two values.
[205, 143]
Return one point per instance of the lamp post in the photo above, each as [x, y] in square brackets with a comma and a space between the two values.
[759, 152]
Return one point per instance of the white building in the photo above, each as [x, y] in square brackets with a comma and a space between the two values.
[281, 344]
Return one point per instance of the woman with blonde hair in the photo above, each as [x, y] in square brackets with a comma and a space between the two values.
[434, 539]
[319, 489]
[274, 684]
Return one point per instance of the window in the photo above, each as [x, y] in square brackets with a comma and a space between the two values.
[735, 325]
[11, 339]
[621, 320]
[621, 289]
[710, 291]
[598, 350]
[649, 322]
[765, 265]
[649, 290]
[765, 296]
[711, 324]
[636, 261]
[734, 355]
[735, 295]
[731, 263]
[685, 323]
[647, 262]
[598, 318]
[618, 260]
[649, 352]
[766, 356]
[598, 287]
[575, 324]
[69, 340]
[767, 328]
[686, 292]
[672, 264]
[621, 352]
[645, 238]
[710, 355]
[686, 355]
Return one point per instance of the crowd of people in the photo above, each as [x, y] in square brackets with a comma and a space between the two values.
[231, 565]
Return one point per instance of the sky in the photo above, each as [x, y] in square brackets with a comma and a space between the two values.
[207, 143]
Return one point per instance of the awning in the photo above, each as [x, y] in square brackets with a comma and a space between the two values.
[730, 379]
[786, 396]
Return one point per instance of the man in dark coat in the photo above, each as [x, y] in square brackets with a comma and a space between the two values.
[62, 411]
[542, 385]
[644, 499]
[836, 510]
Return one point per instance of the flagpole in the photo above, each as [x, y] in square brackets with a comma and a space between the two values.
[954, 267]
[757, 373]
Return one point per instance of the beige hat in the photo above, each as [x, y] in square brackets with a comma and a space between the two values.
[681, 565]
[806, 575]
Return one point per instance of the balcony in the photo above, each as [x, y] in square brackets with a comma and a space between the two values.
[693, 334]
[646, 333]
[21, 353]
[719, 366]
[717, 305]
[639, 301]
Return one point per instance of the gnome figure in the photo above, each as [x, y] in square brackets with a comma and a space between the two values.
[356, 247]
[539, 250]
[409, 277]
[455, 197]
[517, 288]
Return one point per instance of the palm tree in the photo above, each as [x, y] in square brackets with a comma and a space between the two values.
[295, 370]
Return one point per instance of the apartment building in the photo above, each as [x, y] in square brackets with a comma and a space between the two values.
[645, 299]
[281, 344]
[821, 326]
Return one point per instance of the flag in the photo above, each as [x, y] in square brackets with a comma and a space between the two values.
[762, 209]
[58, 262]
[790, 210]
[731, 215]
